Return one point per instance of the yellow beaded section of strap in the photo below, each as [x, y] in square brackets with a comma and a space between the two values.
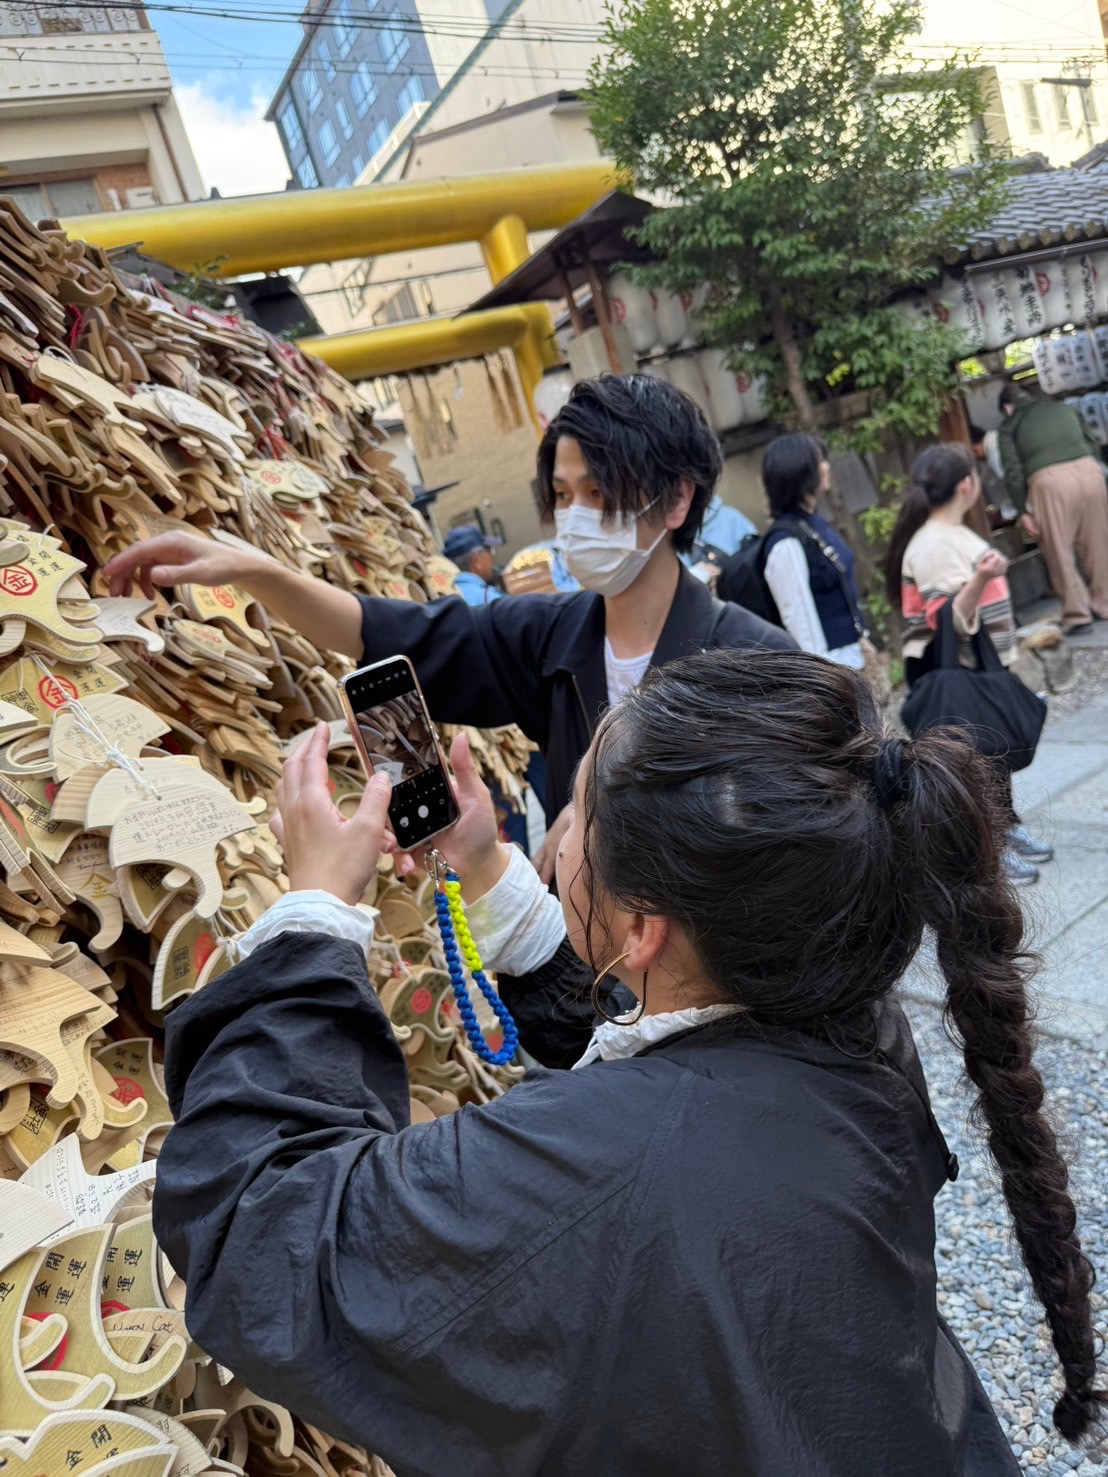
[461, 927]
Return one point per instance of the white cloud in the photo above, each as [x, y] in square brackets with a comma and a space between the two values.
[237, 150]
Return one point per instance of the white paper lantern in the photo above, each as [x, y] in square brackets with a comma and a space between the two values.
[1052, 289]
[1085, 360]
[1099, 337]
[1100, 281]
[692, 303]
[725, 399]
[1065, 365]
[1080, 288]
[551, 394]
[954, 302]
[655, 369]
[1043, 360]
[917, 307]
[673, 321]
[684, 372]
[1027, 305]
[997, 312]
[754, 396]
[1090, 409]
[633, 307]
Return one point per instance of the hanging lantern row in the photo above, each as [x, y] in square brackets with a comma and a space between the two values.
[994, 309]
[1093, 410]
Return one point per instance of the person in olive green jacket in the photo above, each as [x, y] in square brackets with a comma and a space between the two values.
[1054, 476]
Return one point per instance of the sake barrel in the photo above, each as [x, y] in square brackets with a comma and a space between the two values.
[673, 321]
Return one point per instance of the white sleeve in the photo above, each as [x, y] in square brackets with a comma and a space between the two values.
[310, 912]
[518, 925]
[787, 577]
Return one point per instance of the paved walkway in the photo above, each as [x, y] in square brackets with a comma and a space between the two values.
[1064, 797]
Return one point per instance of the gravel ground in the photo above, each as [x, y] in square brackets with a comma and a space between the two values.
[983, 1291]
[1091, 665]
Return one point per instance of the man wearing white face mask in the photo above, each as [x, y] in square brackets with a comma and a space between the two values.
[626, 470]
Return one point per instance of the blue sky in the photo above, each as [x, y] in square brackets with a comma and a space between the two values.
[224, 73]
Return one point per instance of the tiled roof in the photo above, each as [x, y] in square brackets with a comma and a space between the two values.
[1045, 207]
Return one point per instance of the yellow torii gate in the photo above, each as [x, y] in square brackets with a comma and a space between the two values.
[264, 233]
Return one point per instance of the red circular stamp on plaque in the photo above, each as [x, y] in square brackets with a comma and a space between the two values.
[17, 579]
[127, 1090]
[421, 1001]
[273, 478]
[224, 597]
[202, 951]
[57, 691]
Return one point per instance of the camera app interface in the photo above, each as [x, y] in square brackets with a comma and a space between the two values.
[397, 736]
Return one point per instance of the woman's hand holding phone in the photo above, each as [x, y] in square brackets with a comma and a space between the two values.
[322, 848]
[472, 845]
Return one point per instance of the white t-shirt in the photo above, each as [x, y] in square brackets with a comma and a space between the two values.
[623, 672]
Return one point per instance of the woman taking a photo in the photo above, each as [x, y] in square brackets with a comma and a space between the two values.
[935, 560]
[710, 1249]
[809, 567]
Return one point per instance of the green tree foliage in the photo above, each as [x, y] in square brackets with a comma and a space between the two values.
[809, 170]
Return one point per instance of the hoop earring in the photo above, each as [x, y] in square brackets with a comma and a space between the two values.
[599, 1009]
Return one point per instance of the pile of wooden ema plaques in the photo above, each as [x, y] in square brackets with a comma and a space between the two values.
[139, 746]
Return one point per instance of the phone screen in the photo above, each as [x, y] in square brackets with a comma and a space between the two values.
[392, 727]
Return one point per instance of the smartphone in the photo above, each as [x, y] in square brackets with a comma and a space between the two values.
[393, 732]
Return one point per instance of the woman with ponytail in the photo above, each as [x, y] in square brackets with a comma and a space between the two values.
[710, 1249]
[935, 560]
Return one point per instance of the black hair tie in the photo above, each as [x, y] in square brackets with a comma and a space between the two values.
[889, 772]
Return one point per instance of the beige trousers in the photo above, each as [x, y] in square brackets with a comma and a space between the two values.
[1069, 502]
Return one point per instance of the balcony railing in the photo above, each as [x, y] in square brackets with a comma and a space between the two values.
[20, 19]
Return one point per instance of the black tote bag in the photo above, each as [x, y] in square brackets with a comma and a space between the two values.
[1002, 717]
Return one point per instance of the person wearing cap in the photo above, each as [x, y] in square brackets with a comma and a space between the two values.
[626, 470]
[470, 550]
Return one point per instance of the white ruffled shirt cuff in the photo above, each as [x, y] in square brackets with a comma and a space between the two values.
[518, 924]
[311, 911]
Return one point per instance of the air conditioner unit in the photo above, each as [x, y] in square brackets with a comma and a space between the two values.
[142, 197]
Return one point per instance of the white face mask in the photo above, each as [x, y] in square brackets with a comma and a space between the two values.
[604, 558]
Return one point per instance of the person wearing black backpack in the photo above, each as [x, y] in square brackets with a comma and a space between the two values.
[800, 573]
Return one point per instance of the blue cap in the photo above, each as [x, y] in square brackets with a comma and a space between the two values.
[462, 541]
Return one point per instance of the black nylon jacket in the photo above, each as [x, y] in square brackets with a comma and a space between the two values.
[538, 660]
[714, 1258]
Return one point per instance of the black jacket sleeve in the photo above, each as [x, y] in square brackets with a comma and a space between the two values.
[552, 1006]
[401, 1287]
[479, 665]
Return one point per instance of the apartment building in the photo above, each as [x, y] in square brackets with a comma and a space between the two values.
[88, 121]
[363, 74]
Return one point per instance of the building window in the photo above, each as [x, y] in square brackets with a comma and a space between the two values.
[343, 182]
[344, 118]
[410, 94]
[400, 308]
[355, 285]
[393, 42]
[289, 119]
[378, 138]
[323, 57]
[311, 90]
[1031, 108]
[363, 89]
[1088, 105]
[344, 27]
[59, 197]
[1062, 106]
[328, 142]
[305, 173]
[357, 164]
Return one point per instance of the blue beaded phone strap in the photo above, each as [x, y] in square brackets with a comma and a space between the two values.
[455, 931]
